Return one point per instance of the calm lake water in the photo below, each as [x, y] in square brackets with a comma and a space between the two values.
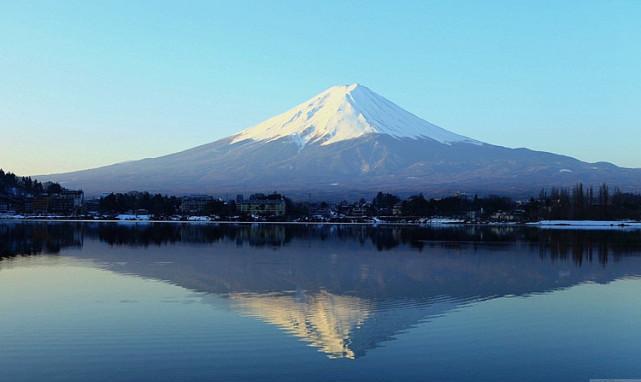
[189, 302]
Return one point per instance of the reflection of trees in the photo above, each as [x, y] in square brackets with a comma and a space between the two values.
[146, 234]
[257, 235]
[584, 245]
[339, 287]
[20, 239]
[575, 245]
[133, 234]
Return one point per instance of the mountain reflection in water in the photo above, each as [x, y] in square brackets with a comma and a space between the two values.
[343, 289]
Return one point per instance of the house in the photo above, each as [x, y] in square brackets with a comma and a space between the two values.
[358, 211]
[502, 216]
[397, 209]
[474, 215]
[322, 212]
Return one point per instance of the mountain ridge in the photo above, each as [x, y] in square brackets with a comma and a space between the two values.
[348, 142]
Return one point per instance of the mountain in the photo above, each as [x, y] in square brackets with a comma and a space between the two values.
[348, 142]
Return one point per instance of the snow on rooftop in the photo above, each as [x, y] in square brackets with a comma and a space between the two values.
[346, 112]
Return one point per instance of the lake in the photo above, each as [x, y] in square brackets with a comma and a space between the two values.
[241, 302]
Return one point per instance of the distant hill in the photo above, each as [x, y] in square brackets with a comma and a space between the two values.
[13, 185]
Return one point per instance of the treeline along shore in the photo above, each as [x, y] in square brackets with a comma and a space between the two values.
[23, 197]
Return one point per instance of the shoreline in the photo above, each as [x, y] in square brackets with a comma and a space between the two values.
[545, 224]
[66, 220]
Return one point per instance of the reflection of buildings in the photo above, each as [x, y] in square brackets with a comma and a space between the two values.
[260, 235]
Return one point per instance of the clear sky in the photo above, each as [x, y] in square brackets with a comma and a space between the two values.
[88, 83]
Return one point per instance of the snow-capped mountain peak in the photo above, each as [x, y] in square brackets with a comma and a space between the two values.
[381, 147]
[346, 112]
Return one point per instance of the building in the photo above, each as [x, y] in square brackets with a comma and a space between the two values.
[65, 203]
[358, 211]
[39, 204]
[195, 204]
[502, 216]
[262, 207]
[5, 204]
[92, 205]
[473, 215]
[322, 212]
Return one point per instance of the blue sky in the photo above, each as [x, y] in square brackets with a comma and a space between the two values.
[84, 84]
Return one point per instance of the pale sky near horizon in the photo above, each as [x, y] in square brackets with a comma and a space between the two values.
[84, 84]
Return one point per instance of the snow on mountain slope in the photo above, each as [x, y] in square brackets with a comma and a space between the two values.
[346, 112]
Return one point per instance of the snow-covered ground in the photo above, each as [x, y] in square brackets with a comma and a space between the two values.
[11, 216]
[14, 216]
[436, 221]
[587, 224]
[198, 218]
[133, 217]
